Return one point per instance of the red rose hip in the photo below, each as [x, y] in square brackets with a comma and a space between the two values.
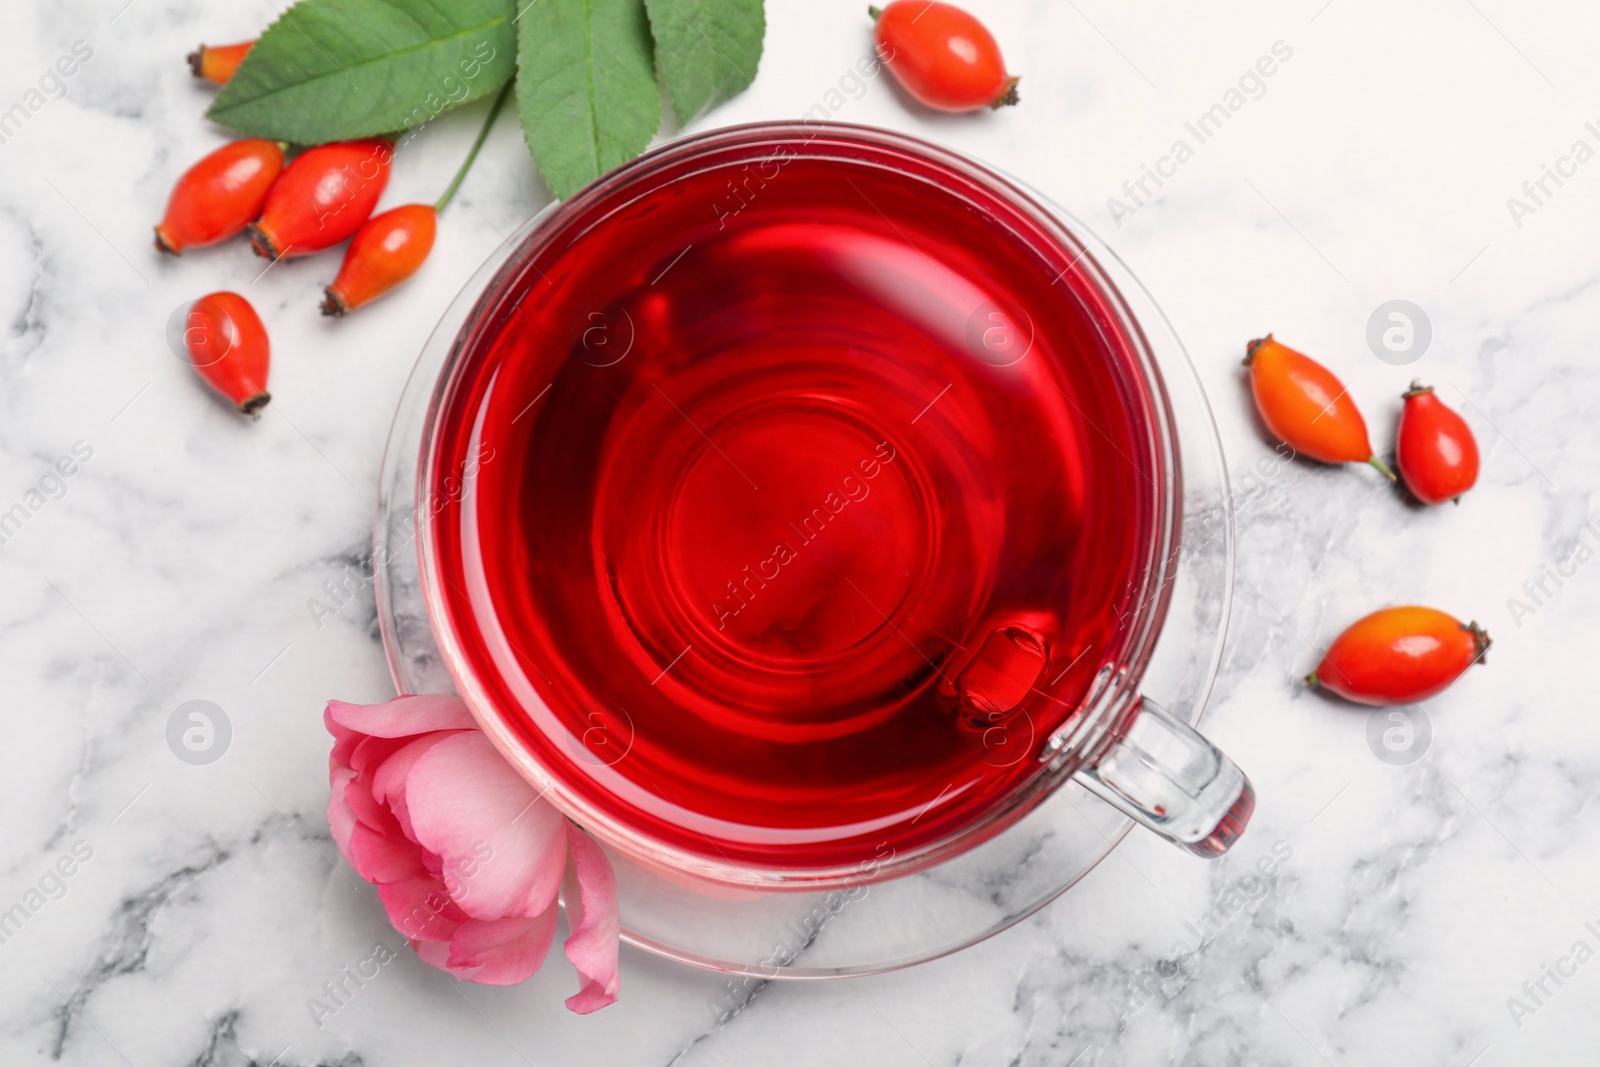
[228, 347]
[943, 56]
[1436, 452]
[1399, 656]
[321, 198]
[218, 196]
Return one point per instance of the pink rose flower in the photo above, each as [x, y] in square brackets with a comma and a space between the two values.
[466, 856]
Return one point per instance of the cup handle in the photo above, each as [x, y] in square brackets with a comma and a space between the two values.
[1165, 776]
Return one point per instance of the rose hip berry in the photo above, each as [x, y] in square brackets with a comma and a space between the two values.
[216, 63]
[943, 56]
[218, 196]
[1399, 656]
[1435, 451]
[384, 252]
[228, 348]
[1304, 405]
[321, 198]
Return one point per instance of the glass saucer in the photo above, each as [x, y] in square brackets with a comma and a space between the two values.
[878, 926]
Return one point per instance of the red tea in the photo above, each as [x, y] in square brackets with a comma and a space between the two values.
[808, 487]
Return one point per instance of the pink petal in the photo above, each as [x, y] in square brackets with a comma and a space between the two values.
[389, 783]
[420, 909]
[341, 820]
[367, 808]
[344, 741]
[590, 891]
[502, 951]
[372, 751]
[403, 716]
[502, 847]
[379, 858]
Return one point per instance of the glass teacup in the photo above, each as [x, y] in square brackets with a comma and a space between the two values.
[802, 501]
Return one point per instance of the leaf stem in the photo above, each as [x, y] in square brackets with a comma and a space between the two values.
[483, 135]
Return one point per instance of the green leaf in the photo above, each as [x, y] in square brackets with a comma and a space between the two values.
[586, 87]
[330, 70]
[708, 50]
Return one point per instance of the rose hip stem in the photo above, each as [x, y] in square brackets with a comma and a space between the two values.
[391, 247]
[472, 153]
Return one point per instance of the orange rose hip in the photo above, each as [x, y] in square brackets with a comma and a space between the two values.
[386, 251]
[1305, 405]
[1399, 656]
[216, 63]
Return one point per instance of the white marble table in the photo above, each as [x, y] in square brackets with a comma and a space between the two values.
[176, 563]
